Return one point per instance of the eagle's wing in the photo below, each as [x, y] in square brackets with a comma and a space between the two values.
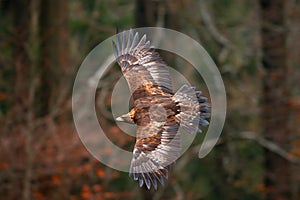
[140, 64]
[153, 155]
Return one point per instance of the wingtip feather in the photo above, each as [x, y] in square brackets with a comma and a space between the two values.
[148, 178]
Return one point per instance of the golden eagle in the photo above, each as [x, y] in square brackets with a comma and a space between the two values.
[157, 111]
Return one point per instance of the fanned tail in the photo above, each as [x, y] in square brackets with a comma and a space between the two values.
[194, 109]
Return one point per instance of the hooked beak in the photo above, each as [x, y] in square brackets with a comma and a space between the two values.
[120, 119]
[125, 118]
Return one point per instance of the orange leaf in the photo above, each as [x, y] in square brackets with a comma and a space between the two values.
[100, 173]
[56, 179]
[3, 166]
[2, 95]
[38, 195]
[86, 192]
[110, 195]
[98, 188]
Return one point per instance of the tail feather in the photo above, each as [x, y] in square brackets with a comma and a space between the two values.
[194, 109]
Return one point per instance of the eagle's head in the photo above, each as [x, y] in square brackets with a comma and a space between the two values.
[128, 117]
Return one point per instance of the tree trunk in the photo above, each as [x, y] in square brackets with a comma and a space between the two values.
[23, 86]
[20, 54]
[293, 62]
[275, 111]
[164, 13]
[145, 13]
[54, 54]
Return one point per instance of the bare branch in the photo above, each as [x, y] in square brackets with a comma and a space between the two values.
[248, 135]
[208, 21]
[275, 148]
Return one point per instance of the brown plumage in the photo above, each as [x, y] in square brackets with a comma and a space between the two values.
[157, 111]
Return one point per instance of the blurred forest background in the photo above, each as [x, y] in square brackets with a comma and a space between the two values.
[255, 44]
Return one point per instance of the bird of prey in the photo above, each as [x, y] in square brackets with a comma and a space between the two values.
[157, 111]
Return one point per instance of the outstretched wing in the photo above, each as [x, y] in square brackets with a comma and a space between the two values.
[140, 64]
[157, 147]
